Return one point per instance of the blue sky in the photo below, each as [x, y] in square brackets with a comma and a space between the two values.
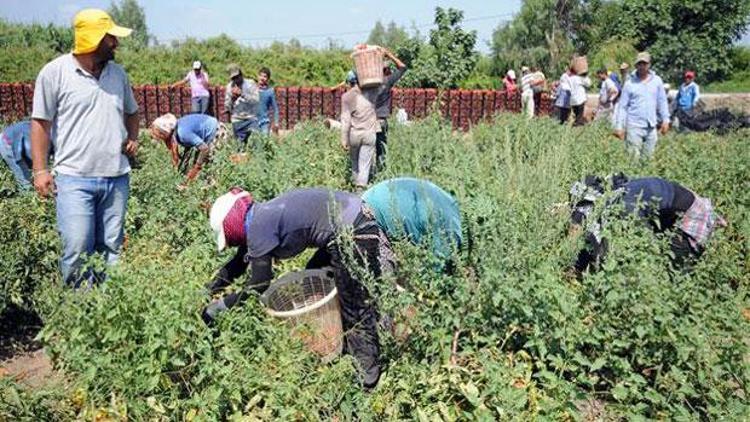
[259, 23]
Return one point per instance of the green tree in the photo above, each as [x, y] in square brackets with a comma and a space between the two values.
[696, 34]
[391, 36]
[130, 14]
[544, 33]
[449, 56]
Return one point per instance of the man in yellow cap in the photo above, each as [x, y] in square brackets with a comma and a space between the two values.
[86, 100]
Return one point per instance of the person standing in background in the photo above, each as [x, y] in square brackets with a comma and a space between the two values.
[267, 103]
[199, 88]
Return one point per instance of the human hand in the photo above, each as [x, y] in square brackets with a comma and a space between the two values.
[664, 128]
[345, 146]
[236, 91]
[620, 134]
[130, 147]
[44, 183]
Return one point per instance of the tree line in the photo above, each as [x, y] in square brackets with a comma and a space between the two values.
[699, 35]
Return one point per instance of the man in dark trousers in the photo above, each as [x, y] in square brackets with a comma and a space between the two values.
[665, 205]
[383, 106]
[287, 225]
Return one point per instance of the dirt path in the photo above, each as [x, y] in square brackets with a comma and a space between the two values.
[22, 358]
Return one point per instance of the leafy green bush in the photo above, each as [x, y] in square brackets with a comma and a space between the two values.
[508, 336]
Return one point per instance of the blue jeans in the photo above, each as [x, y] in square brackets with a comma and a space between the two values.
[265, 126]
[199, 105]
[90, 218]
[641, 141]
[20, 170]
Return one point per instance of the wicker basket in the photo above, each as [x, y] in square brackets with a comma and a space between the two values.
[308, 302]
[369, 64]
[580, 65]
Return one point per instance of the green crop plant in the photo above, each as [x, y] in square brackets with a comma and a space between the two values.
[507, 336]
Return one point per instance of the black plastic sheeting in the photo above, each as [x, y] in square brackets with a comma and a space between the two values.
[721, 120]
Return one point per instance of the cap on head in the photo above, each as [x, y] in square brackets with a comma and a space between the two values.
[624, 66]
[689, 74]
[351, 77]
[90, 26]
[234, 70]
[165, 123]
[524, 69]
[197, 65]
[227, 217]
[511, 74]
[643, 57]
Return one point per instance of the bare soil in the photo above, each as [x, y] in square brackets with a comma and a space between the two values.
[21, 357]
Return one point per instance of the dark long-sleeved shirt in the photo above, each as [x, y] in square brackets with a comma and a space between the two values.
[660, 199]
[282, 228]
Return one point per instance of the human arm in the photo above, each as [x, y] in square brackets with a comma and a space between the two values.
[132, 121]
[662, 108]
[43, 113]
[204, 80]
[228, 101]
[250, 92]
[130, 146]
[392, 57]
[697, 95]
[44, 183]
[622, 106]
[346, 122]
[275, 107]
[261, 274]
[181, 82]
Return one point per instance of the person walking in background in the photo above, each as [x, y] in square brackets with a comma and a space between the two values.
[509, 85]
[538, 88]
[607, 94]
[688, 94]
[359, 128]
[199, 88]
[267, 103]
[241, 104]
[85, 98]
[642, 105]
[529, 81]
[578, 95]
[383, 106]
[562, 96]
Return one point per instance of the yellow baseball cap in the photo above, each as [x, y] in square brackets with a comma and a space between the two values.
[90, 26]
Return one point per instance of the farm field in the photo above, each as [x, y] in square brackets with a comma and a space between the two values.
[507, 337]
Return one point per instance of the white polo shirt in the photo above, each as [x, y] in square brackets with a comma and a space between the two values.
[87, 114]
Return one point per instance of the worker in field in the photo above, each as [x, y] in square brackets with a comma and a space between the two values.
[640, 109]
[191, 131]
[383, 105]
[241, 105]
[419, 211]
[267, 104]
[85, 98]
[15, 148]
[663, 204]
[359, 129]
[283, 228]
[200, 93]
[688, 94]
